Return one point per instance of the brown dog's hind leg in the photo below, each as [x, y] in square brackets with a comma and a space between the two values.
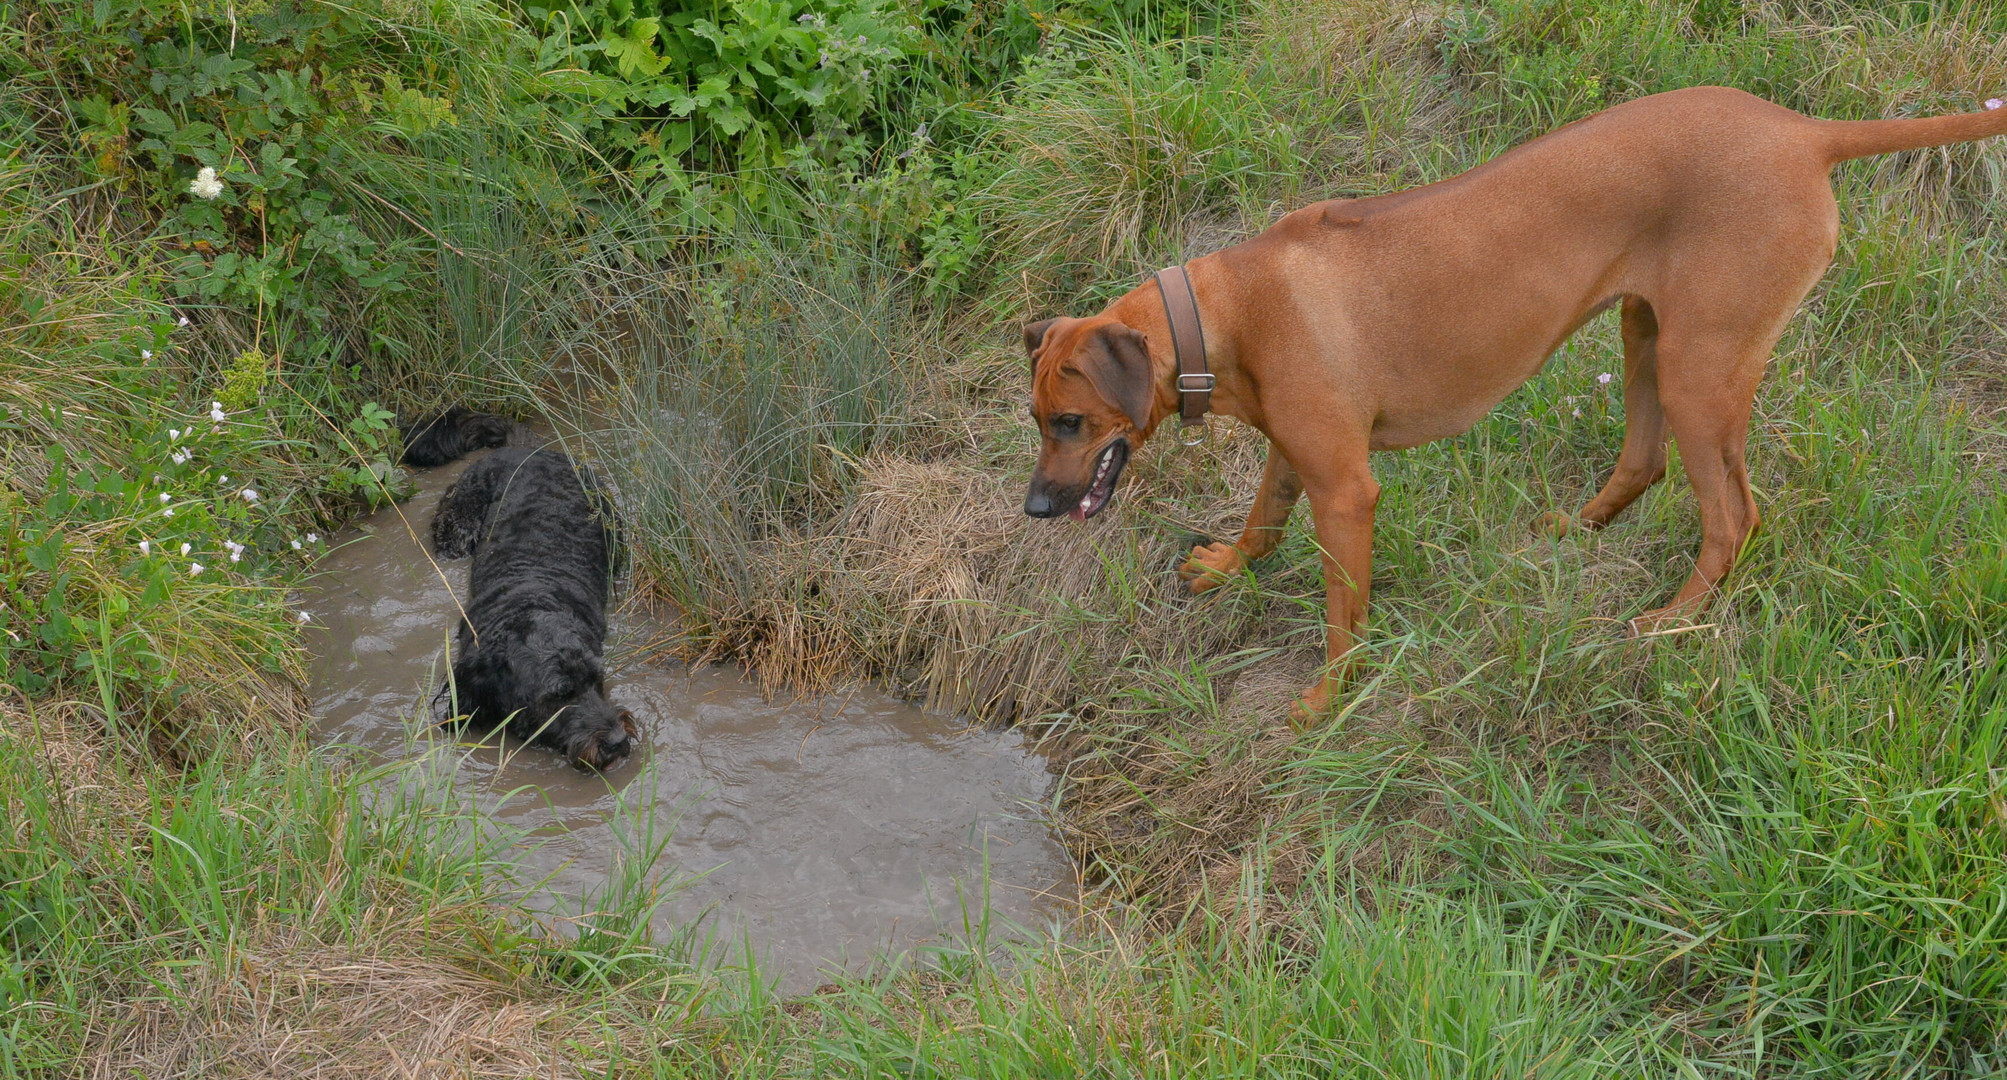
[1708, 405]
[1210, 564]
[1643, 460]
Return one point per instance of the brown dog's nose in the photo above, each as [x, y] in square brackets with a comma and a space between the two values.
[1038, 503]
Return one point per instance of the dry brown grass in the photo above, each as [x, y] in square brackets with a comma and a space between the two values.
[296, 1009]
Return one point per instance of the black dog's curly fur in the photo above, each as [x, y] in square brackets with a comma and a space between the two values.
[528, 653]
[436, 440]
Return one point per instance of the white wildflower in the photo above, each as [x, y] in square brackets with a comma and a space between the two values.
[165, 497]
[250, 495]
[179, 457]
[146, 354]
[216, 412]
[173, 434]
[305, 618]
[313, 538]
[1603, 379]
[145, 547]
[183, 321]
[222, 479]
[1994, 103]
[169, 512]
[206, 185]
[1577, 413]
[184, 549]
[194, 569]
[296, 545]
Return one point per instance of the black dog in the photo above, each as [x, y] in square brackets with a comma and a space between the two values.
[436, 440]
[528, 651]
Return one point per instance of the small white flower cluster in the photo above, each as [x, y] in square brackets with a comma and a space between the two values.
[206, 185]
[216, 412]
[236, 550]
[179, 457]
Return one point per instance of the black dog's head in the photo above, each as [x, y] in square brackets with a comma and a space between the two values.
[592, 731]
[569, 712]
[436, 440]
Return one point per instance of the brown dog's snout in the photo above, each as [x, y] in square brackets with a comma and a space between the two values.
[1038, 501]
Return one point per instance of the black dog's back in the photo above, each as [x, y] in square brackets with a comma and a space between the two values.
[529, 650]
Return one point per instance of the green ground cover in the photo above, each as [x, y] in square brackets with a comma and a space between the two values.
[769, 260]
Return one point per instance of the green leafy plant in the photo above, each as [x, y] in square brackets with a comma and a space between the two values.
[681, 84]
[373, 477]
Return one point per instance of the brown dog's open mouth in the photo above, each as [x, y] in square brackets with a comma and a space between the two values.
[1106, 472]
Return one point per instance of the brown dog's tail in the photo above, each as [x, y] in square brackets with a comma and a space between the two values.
[1850, 139]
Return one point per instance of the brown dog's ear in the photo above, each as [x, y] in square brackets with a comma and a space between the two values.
[1119, 367]
[1034, 336]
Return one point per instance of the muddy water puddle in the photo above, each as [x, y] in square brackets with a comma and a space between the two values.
[818, 833]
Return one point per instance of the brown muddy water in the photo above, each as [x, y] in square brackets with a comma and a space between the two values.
[820, 834]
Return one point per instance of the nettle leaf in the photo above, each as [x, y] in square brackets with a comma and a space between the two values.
[811, 96]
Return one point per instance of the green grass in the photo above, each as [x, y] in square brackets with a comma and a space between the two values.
[1775, 845]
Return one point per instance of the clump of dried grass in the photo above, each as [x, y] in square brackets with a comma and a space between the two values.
[293, 1008]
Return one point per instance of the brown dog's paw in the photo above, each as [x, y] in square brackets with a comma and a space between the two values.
[1211, 564]
[1665, 620]
[1554, 523]
[1312, 707]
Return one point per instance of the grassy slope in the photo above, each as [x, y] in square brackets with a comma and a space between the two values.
[1777, 833]
[1527, 847]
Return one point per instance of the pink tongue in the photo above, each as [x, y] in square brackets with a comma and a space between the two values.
[1077, 513]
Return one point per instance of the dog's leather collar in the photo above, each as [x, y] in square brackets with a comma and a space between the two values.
[1188, 341]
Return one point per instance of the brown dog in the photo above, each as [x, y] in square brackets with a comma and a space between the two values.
[1388, 322]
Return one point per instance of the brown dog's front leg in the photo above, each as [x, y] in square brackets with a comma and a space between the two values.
[1344, 519]
[1210, 564]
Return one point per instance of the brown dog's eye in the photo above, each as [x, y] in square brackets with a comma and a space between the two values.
[1066, 424]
